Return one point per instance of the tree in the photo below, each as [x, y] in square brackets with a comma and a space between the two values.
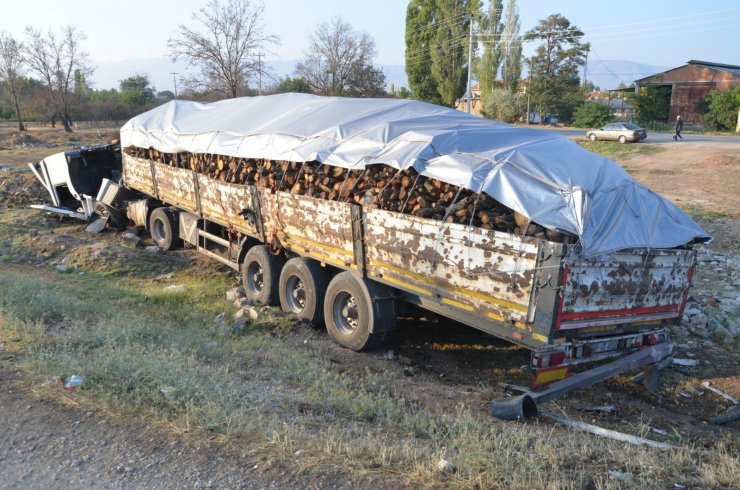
[722, 108]
[11, 67]
[592, 115]
[511, 48]
[420, 30]
[554, 66]
[503, 105]
[136, 93]
[486, 67]
[55, 59]
[449, 48]
[652, 103]
[339, 61]
[297, 84]
[224, 46]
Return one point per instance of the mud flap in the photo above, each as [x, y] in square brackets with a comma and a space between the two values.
[96, 223]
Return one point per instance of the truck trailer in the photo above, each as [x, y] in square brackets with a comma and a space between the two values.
[322, 204]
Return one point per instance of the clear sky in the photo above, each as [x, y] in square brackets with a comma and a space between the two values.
[655, 32]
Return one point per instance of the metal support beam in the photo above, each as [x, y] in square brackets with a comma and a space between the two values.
[525, 406]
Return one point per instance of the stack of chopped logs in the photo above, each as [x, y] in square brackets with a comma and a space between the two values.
[378, 186]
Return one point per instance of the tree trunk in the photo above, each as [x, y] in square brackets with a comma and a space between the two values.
[66, 122]
[21, 126]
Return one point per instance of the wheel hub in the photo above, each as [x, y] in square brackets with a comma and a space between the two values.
[297, 294]
[348, 317]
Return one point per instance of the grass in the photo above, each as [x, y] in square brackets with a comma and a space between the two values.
[614, 149]
[146, 350]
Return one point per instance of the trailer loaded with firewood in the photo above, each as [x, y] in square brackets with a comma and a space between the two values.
[338, 210]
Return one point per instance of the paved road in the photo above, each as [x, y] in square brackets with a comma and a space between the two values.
[655, 137]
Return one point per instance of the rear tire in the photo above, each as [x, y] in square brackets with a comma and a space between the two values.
[163, 228]
[302, 288]
[358, 313]
[623, 139]
[260, 275]
[592, 137]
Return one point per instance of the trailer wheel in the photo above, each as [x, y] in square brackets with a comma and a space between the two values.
[260, 275]
[302, 288]
[163, 228]
[358, 312]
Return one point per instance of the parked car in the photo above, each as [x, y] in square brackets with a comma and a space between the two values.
[618, 131]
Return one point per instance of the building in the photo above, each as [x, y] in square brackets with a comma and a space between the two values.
[692, 82]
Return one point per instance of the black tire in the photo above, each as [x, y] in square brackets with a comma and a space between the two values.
[261, 274]
[623, 139]
[358, 313]
[302, 288]
[116, 219]
[592, 137]
[163, 228]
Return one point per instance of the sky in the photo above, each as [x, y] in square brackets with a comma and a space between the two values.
[654, 32]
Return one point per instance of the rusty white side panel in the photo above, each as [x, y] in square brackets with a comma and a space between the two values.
[137, 173]
[227, 203]
[641, 284]
[176, 186]
[471, 269]
[315, 227]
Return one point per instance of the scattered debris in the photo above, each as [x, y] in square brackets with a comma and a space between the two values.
[33, 233]
[600, 431]
[71, 383]
[168, 392]
[445, 465]
[731, 415]
[221, 318]
[685, 362]
[153, 249]
[164, 277]
[599, 408]
[300, 452]
[721, 393]
[389, 354]
[405, 360]
[234, 294]
[175, 288]
[660, 432]
[685, 395]
[132, 240]
[62, 267]
[514, 388]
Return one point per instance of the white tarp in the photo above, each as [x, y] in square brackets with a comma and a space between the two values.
[541, 174]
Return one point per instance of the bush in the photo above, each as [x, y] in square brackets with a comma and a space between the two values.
[503, 105]
[721, 108]
[652, 103]
[591, 115]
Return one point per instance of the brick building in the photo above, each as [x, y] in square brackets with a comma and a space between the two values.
[691, 83]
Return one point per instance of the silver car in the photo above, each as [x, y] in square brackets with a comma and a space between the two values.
[618, 131]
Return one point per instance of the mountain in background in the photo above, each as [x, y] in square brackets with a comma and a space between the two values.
[605, 74]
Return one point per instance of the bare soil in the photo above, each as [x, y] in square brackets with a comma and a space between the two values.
[48, 441]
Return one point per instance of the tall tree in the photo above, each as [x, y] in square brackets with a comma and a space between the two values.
[224, 45]
[136, 93]
[487, 66]
[339, 61]
[11, 68]
[554, 65]
[420, 30]
[55, 59]
[449, 48]
[511, 48]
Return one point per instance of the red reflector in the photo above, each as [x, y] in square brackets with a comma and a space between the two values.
[652, 339]
[557, 358]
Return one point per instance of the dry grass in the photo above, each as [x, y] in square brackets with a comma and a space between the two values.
[146, 350]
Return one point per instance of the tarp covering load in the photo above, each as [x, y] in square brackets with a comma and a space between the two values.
[540, 174]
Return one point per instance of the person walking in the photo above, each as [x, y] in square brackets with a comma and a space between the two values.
[679, 127]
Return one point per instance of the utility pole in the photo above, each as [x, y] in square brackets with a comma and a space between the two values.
[174, 80]
[259, 70]
[587, 47]
[470, 60]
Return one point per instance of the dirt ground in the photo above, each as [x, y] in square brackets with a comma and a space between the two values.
[432, 362]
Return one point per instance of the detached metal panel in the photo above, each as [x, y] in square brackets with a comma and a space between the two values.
[478, 271]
